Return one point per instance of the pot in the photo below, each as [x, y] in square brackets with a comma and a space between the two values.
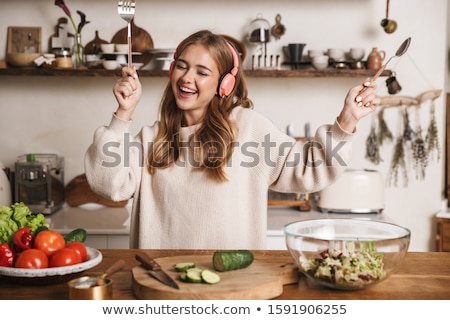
[94, 288]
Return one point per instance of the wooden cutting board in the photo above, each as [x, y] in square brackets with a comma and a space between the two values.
[260, 280]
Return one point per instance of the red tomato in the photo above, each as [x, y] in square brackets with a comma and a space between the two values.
[80, 248]
[31, 259]
[64, 257]
[49, 241]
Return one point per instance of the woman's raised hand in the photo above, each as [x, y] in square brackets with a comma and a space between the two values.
[127, 91]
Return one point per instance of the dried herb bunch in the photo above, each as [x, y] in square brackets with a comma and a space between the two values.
[384, 134]
[419, 155]
[398, 163]
[408, 132]
[432, 137]
[372, 147]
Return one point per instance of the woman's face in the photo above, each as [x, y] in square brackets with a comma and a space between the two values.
[194, 82]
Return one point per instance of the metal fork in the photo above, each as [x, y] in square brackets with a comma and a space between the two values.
[126, 9]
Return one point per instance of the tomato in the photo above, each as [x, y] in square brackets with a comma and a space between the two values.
[80, 248]
[49, 241]
[64, 257]
[31, 259]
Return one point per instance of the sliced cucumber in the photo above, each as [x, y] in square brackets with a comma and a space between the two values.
[210, 277]
[184, 266]
[232, 259]
[194, 275]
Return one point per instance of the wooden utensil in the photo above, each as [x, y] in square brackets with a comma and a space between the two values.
[116, 266]
[93, 46]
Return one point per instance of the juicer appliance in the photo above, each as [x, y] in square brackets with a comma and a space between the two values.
[39, 182]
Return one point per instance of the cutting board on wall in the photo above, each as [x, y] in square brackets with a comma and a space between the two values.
[260, 280]
[140, 41]
[78, 192]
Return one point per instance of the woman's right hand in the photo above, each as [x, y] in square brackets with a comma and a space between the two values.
[127, 91]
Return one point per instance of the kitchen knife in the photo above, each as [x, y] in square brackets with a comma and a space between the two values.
[155, 270]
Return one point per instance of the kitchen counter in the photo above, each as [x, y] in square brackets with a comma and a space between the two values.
[421, 276]
[109, 227]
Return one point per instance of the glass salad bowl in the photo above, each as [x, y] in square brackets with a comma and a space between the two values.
[346, 254]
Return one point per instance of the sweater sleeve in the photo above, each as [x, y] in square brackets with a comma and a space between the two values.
[288, 165]
[113, 161]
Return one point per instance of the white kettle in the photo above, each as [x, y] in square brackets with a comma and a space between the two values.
[5, 188]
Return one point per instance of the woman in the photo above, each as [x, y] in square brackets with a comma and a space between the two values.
[199, 176]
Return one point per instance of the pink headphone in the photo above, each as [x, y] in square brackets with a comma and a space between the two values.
[226, 81]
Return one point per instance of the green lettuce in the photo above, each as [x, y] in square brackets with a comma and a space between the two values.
[17, 216]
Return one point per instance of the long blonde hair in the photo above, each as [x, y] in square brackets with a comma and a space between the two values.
[214, 138]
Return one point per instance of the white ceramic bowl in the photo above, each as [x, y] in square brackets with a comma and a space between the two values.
[357, 53]
[336, 54]
[347, 254]
[110, 64]
[315, 53]
[121, 47]
[320, 62]
[107, 47]
[51, 275]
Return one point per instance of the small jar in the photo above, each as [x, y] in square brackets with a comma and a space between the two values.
[63, 58]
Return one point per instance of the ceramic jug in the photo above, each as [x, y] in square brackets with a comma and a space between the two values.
[375, 59]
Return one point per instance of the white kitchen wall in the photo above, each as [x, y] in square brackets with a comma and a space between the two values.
[60, 114]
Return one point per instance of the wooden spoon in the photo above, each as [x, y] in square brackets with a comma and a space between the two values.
[116, 266]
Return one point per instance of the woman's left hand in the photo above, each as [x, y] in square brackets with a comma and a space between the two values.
[359, 102]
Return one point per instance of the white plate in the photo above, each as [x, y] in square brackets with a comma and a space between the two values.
[160, 50]
[95, 257]
[120, 53]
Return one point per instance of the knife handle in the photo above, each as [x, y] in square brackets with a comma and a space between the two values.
[147, 261]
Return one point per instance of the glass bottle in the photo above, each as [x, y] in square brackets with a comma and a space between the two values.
[79, 59]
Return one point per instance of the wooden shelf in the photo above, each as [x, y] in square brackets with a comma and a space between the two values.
[297, 73]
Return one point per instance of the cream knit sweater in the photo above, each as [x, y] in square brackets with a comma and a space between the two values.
[180, 208]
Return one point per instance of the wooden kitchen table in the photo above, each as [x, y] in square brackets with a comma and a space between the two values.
[421, 276]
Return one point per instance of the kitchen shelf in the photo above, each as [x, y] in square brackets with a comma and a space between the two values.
[297, 73]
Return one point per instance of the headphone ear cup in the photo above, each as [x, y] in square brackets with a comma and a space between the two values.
[226, 85]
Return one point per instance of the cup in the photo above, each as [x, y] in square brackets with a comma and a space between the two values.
[320, 62]
[110, 64]
[357, 53]
[107, 47]
[295, 51]
[314, 53]
[337, 54]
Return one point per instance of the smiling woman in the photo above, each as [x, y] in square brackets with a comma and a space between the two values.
[196, 153]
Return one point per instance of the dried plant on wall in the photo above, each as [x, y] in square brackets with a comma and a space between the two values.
[410, 146]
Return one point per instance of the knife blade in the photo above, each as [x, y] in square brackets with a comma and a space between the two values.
[155, 270]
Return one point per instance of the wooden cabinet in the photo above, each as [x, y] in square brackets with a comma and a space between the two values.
[443, 234]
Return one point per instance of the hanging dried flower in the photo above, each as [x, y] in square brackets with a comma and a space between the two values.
[432, 137]
[419, 155]
[398, 163]
[408, 132]
[372, 148]
[384, 134]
